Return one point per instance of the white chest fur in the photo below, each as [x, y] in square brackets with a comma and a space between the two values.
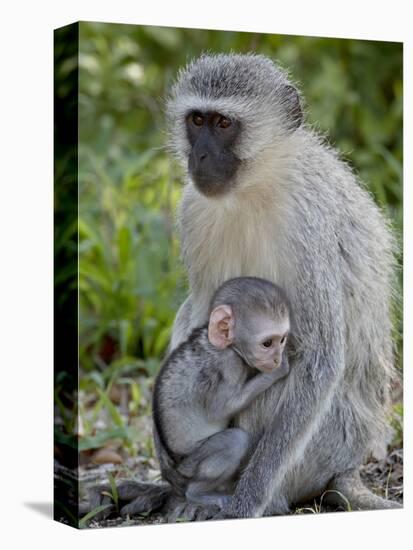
[225, 238]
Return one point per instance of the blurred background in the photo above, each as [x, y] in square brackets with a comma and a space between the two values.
[131, 281]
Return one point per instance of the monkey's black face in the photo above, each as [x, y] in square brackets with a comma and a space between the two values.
[212, 163]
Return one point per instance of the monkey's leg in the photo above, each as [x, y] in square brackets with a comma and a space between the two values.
[348, 489]
[230, 445]
[213, 464]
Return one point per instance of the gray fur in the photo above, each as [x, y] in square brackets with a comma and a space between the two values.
[234, 85]
[298, 217]
[200, 388]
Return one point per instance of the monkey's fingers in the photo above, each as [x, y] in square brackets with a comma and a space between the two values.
[223, 514]
[207, 512]
[152, 497]
[178, 509]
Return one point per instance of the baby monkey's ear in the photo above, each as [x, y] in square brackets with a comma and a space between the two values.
[221, 327]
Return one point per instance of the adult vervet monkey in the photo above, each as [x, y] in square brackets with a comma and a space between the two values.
[266, 197]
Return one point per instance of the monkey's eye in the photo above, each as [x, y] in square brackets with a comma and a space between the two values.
[283, 339]
[267, 343]
[223, 122]
[197, 119]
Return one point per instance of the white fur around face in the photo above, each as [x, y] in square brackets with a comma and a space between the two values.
[250, 89]
[253, 138]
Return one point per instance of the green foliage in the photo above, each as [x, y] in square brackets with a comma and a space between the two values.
[131, 281]
[114, 490]
[129, 268]
[397, 424]
[90, 515]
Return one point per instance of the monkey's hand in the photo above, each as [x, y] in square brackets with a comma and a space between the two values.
[224, 514]
[239, 509]
[245, 508]
[178, 509]
[234, 511]
[283, 369]
[279, 372]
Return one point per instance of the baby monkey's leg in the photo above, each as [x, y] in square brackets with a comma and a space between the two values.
[213, 464]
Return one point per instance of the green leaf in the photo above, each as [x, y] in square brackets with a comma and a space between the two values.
[83, 522]
[136, 394]
[124, 241]
[112, 409]
[114, 490]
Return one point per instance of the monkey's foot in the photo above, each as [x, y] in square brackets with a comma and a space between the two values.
[347, 490]
[223, 514]
[152, 498]
[235, 510]
[178, 509]
[134, 498]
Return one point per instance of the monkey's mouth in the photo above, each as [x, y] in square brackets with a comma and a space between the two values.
[213, 175]
[212, 187]
[267, 367]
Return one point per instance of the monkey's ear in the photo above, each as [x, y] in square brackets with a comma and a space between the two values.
[293, 106]
[221, 327]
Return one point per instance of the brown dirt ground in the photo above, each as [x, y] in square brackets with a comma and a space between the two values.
[384, 477]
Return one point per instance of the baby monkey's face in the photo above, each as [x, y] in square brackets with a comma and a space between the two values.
[259, 338]
[264, 343]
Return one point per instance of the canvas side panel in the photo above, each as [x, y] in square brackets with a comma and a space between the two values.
[66, 455]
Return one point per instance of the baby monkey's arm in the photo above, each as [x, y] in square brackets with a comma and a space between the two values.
[228, 405]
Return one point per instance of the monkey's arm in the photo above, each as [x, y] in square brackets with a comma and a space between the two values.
[225, 405]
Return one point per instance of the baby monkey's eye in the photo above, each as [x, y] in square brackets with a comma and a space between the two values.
[267, 343]
[283, 339]
[197, 119]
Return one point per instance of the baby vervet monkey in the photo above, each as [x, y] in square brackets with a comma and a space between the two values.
[212, 376]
